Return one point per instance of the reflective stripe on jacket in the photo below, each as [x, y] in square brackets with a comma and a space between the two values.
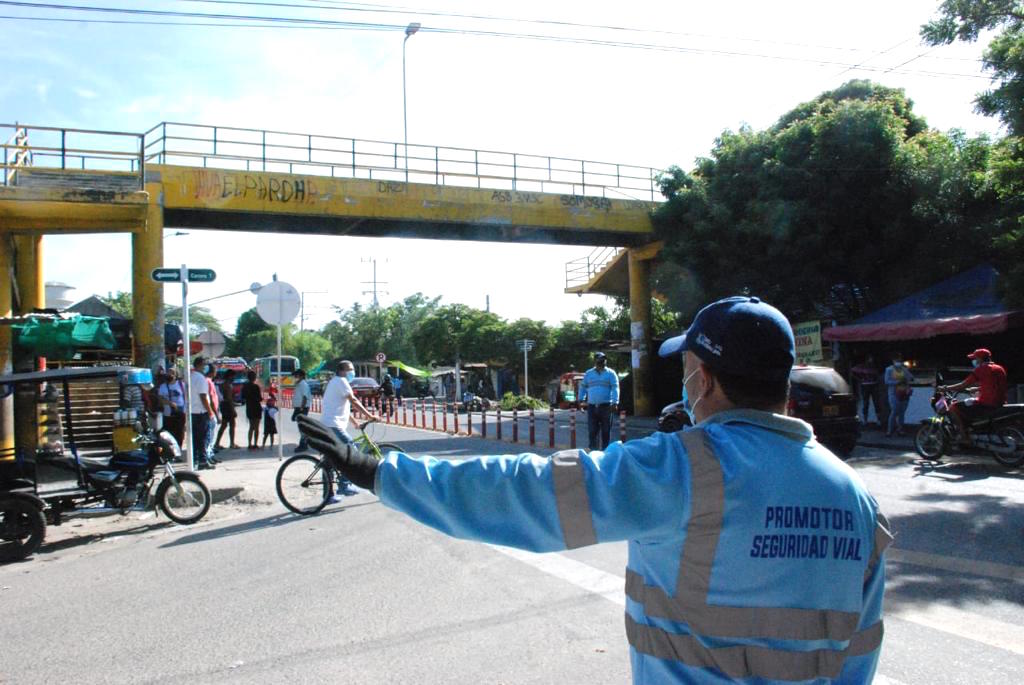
[753, 551]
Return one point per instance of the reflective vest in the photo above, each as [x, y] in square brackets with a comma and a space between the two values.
[753, 551]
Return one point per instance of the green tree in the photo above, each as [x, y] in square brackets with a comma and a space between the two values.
[199, 318]
[253, 337]
[965, 20]
[822, 214]
[120, 303]
[456, 333]
[311, 348]
[359, 333]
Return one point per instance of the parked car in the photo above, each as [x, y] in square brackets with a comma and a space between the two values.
[365, 388]
[818, 395]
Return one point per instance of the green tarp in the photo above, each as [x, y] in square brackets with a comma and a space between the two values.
[410, 370]
[60, 339]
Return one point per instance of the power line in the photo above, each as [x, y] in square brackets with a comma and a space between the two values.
[295, 22]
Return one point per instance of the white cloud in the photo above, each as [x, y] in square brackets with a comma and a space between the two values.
[85, 93]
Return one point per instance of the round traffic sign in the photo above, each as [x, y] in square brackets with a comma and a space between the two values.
[278, 303]
[381, 358]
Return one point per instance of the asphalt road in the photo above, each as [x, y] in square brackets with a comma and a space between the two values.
[361, 594]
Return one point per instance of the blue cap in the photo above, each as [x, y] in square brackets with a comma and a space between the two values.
[742, 336]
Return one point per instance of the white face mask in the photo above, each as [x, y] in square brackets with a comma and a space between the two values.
[686, 398]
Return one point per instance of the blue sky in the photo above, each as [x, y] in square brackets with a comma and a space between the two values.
[742, 63]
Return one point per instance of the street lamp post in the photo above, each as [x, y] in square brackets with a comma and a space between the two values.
[409, 30]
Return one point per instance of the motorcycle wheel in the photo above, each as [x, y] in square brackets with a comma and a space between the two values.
[22, 528]
[185, 503]
[303, 485]
[930, 441]
[1010, 437]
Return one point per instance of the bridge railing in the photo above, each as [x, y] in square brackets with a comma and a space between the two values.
[229, 147]
[70, 148]
[581, 271]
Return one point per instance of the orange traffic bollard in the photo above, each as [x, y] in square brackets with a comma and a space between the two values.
[533, 431]
[497, 423]
[622, 426]
[515, 425]
[572, 429]
[551, 427]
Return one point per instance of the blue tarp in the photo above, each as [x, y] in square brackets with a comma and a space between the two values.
[967, 303]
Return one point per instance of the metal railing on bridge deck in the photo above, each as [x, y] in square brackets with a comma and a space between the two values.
[227, 147]
[70, 148]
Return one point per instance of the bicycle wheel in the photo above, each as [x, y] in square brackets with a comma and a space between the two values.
[304, 484]
[186, 501]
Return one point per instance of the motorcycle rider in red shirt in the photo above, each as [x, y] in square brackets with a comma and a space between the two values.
[991, 381]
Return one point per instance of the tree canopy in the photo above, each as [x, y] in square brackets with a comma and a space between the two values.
[821, 213]
[965, 20]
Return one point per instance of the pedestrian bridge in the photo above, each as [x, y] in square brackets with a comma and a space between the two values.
[63, 180]
[178, 175]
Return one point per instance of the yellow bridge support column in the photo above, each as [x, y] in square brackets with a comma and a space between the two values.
[640, 331]
[28, 271]
[6, 292]
[147, 294]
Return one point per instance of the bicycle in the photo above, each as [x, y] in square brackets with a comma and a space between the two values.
[305, 482]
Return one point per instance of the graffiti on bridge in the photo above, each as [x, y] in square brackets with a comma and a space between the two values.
[218, 185]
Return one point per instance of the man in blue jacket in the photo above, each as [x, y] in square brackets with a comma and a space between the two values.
[755, 554]
[599, 394]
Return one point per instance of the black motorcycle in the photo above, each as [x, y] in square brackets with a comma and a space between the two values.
[999, 433]
[50, 486]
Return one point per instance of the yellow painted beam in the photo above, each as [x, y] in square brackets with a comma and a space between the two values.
[31, 295]
[147, 294]
[48, 210]
[277, 193]
[6, 303]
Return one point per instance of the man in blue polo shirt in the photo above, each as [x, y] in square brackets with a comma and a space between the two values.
[755, 554]
[599, 394]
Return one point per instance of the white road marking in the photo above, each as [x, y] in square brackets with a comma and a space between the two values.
[969, 566]
[607, 585]
[965, 624]
[885, 680]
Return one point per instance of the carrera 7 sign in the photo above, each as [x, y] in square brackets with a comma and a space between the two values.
[166, 275]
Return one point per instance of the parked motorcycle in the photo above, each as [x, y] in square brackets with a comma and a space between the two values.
[138, 476]
[998, 434]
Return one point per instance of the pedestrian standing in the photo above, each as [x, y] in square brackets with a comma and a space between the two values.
[754, 555]
[897, 382]
[387, 389]
[252, 397]
[868, 378]
[599, 394]
[228, 412]
[302, 400]
[270, 420]
[201, 408]
[172, 399]
[211, 427]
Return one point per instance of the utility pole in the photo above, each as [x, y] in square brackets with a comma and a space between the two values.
[302, 306]
[374, 282]
[526, 345]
